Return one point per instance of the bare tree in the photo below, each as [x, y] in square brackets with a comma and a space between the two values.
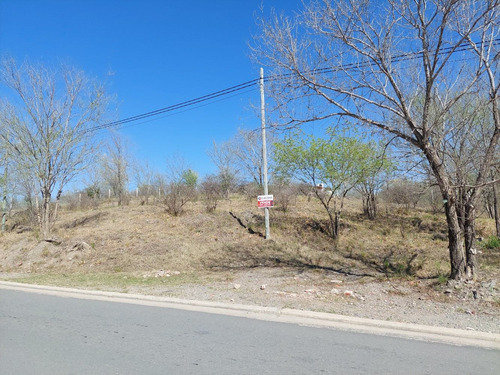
[401, 67]
[211, 191]
[144, 176]
[115, 167]
[404, 192]
[48, 122]
[376, 174]
[243, 153]
[224, 158]
[181, 186]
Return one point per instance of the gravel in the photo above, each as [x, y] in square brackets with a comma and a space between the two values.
[469, 306]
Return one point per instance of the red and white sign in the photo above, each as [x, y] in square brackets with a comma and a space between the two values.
[265, 201]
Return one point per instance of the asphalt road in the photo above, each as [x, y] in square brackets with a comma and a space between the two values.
[43, 334]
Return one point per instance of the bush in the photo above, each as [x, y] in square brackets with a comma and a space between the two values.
[176, 197]
[251, 190]
[492, 242]
[211, 191]
[285, 194]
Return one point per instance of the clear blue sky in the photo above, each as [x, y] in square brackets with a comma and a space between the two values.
[151, 54]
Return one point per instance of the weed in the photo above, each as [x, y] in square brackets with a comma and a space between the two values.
[45, 252]
[492, 242]
[442, 279]
[385, 232]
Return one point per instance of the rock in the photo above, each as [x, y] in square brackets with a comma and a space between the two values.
[21, 229]
[458, 286]
[162, 273]
[335, 291]
[447, 291]
[236, 286]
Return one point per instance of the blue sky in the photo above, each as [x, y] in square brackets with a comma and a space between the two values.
[151, 54]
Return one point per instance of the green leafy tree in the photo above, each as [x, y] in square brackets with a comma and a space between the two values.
[190, 178]
[338, 161]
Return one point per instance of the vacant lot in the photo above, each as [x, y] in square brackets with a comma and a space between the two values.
[391, 268]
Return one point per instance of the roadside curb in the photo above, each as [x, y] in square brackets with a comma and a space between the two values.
[307, 318]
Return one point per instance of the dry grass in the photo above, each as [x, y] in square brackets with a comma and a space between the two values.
[140, 240]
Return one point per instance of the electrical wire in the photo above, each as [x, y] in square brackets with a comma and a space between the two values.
[245, 85]
[174, 107]
[398, 58]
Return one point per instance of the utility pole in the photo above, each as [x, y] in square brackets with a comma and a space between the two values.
[264, 148]
[4, 198]
[4, 208]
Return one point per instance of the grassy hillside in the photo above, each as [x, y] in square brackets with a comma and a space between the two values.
[144, 239]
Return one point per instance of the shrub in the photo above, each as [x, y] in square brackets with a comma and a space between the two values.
[285, 194]
[176, 197]
[492, 242]
[211, 191]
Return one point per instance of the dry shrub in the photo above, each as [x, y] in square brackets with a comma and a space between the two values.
[211, 191]
[251, 190]
[285, 195]
[176, 197]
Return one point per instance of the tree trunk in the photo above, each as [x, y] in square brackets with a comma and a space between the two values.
[470, 235]
[455, 243]
[4, 212]
[45, 224]
[37, 207]
[56, 208]
[336, 224]
[372, 206]
[495, 210]
[369, 205]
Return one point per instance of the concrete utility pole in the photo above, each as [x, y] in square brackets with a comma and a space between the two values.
[4, 211]
[264, 148]
[4, 199]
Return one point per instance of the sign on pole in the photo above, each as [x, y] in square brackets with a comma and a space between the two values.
[264, 201]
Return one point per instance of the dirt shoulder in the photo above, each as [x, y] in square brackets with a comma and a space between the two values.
[423, 302]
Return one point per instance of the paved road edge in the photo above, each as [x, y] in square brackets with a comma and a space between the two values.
[308, 318]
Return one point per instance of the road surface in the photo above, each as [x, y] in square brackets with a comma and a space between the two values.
[44, 334]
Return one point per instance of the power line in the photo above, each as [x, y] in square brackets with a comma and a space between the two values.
[397, 58]
[177, 106]
[245, 85]
[187, 109]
